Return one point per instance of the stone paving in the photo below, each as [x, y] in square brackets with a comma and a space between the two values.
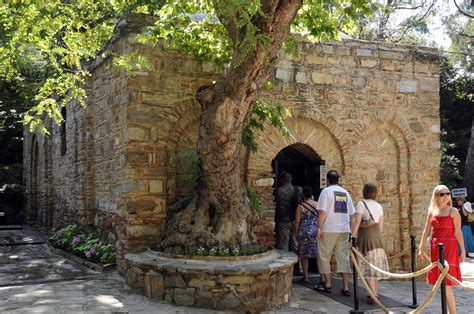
[33, 280]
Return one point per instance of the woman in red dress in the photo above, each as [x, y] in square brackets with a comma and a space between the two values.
[444, 224]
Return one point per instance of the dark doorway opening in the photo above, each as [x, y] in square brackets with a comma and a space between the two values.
[302, 162]
[304, 165]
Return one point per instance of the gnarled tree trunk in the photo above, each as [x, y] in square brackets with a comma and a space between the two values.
[220, 212]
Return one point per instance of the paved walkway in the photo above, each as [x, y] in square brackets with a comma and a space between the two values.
[33, 280]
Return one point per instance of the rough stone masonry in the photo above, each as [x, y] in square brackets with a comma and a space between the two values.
[368, 109]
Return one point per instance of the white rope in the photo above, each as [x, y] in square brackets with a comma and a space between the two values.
[443, 274]
[366, 285]
[434, 289]
[394, 275]
[459, 283]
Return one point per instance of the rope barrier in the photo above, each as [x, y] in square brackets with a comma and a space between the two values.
[414, 274]
[366, 285]
[400, 276]
[434, 289]
[399, 254]
[421, 307]
[459, 283]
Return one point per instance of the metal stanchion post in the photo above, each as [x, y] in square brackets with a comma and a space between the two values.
[414, 305]
[354, 277]
[444, 309]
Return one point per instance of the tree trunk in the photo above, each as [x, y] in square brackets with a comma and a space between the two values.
[468, 180]
[220, 213]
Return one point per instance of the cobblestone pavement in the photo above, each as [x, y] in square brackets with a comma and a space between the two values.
[33, 280]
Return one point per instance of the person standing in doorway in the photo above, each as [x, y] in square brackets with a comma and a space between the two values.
[287, 198]
[335, 210]
[306, 226]
[444, 224]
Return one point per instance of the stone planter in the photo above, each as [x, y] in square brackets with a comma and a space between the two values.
[78, 260]
[249, 283]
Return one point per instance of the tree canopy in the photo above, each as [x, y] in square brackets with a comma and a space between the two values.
[399, 21]
[44, 45]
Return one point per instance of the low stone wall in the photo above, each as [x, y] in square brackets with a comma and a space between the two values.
[238, 284]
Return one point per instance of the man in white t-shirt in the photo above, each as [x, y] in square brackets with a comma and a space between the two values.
[335, 209]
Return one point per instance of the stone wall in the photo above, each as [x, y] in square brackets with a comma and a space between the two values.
[369, 110]
[78, 173]
[248, 284]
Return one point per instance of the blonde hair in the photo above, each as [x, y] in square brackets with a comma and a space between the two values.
[434, 204]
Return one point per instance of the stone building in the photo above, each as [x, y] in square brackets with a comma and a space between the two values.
[369, 110]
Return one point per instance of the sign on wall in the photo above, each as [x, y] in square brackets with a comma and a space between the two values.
[322, 176]
[459, 192]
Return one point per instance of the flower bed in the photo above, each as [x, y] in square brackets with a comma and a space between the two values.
[215, 251]
[84, 246]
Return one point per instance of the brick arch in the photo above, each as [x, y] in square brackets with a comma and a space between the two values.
[182, 134]
[393, 123]
[186, 112]
[404, 140]
[319, 132]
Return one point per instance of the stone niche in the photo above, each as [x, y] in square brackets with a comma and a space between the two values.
[248, 283]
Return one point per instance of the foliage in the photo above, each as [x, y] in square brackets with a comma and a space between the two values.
[12, 195]
[323, 20]
[217, 250]
[255, 202]
[450, 172]
[11, 189]
[398, 21]
[83, 244]
[44, 44]
[11, 128]
[261, 113]
[456, 113]
[461, 32]
[132, 62]
[192, 160]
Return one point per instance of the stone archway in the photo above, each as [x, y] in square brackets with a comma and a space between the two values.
[319, 140]
[383, 147]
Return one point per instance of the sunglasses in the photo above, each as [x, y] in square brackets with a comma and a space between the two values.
[443, 194]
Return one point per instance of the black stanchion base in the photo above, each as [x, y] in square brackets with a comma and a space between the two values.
[411, 305]
[356, 312]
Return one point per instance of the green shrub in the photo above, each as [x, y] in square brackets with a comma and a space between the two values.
[83, 244]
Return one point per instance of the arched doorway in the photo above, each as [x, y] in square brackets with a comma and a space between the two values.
[303, 163]
[34, 184]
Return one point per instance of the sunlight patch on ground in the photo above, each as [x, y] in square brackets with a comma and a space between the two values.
[34, 263]
[109, 300]
[33, 293]
[13, 257]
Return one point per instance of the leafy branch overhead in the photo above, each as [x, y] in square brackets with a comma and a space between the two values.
[44, 45]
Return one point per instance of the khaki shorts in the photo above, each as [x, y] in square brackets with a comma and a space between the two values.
[337, 243]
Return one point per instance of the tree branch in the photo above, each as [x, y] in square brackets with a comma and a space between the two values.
[462, 12]
[229, 23]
